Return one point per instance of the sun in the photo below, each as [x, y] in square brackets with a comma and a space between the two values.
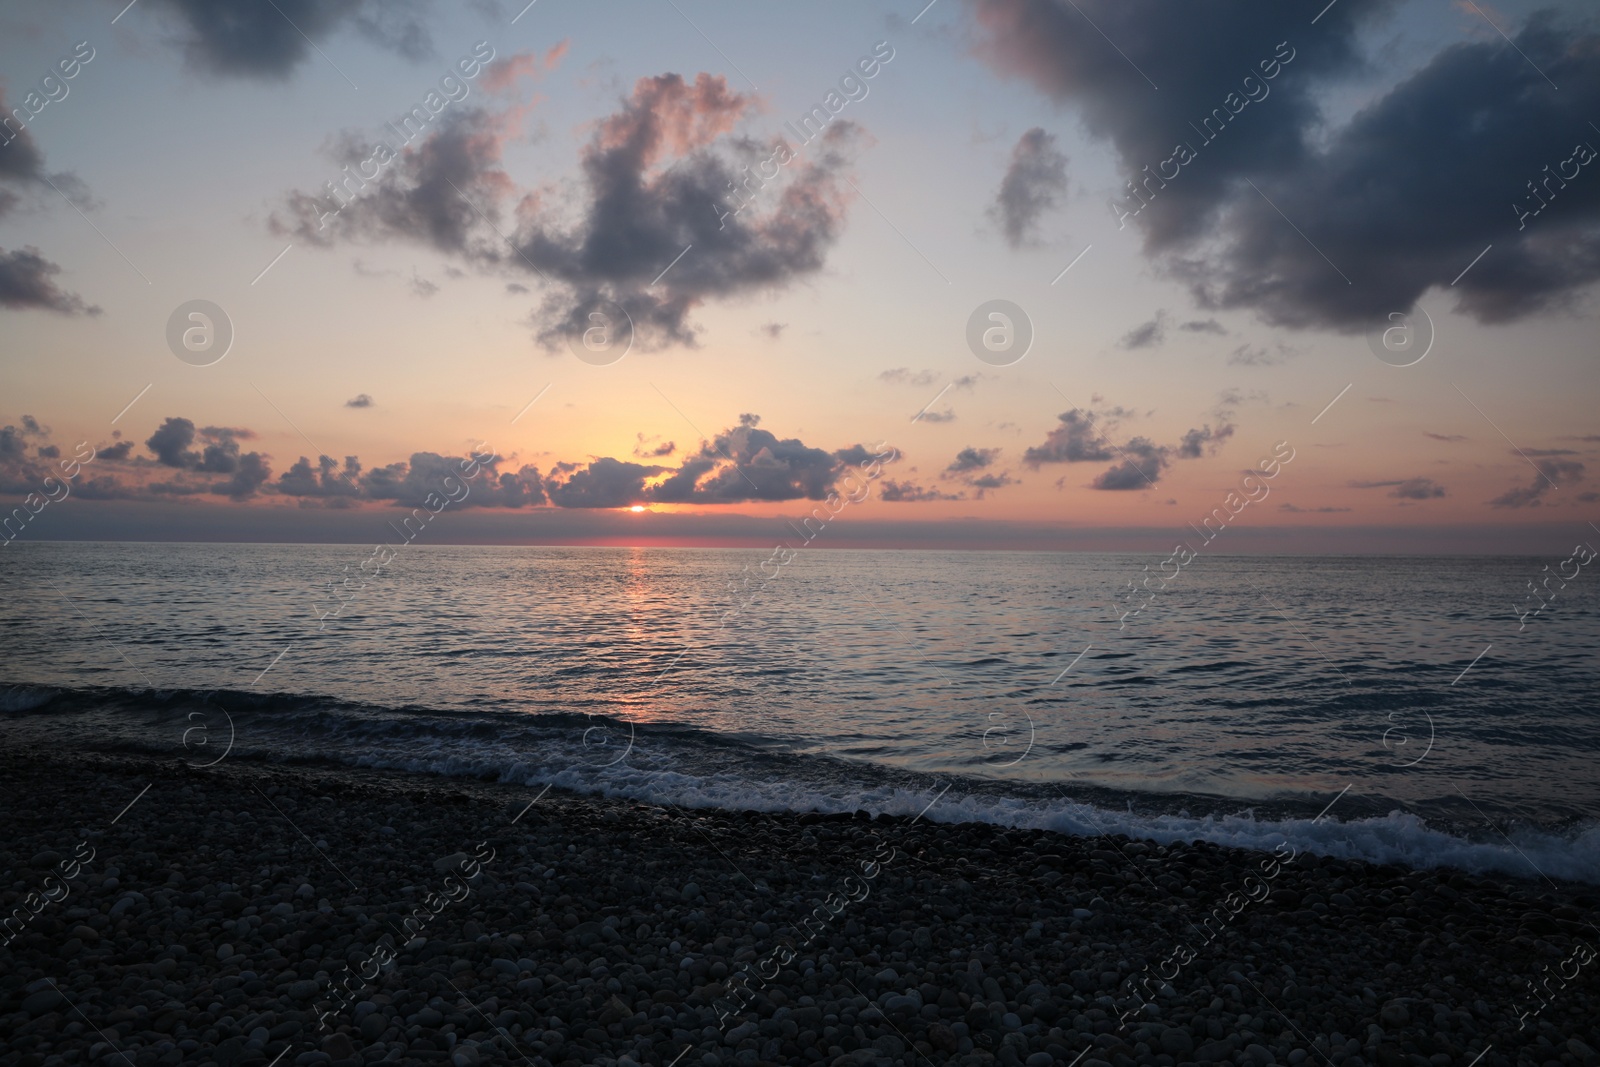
[636, 508]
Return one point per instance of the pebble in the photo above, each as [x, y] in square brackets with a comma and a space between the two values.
[606, 931]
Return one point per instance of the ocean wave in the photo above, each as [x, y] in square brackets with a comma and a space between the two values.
[670, 763]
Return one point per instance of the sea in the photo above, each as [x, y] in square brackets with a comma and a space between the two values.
[1410, 710]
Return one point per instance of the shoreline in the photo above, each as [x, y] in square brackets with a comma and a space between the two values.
[252, 911]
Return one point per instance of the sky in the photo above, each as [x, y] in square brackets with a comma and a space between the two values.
[979, 273]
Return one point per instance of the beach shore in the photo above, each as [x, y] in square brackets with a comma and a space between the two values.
[255, 914]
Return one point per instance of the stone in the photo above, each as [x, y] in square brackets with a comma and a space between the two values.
[45, 1000]
[1177, 1042]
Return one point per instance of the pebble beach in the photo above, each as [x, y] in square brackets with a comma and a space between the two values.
[253, 914]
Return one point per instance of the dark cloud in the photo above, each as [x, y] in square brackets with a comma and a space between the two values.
[605, 483]
[1146, 335]
[21, 162]
[947, 415]
[972, 459]
[1449, 438]
[426, 194]
[1418, 489]
[653, 447]
[1074, 441]
[1405, 488]
[170, 444]
[1292, 509]
[1202, 441]
[747, 463]
[1140, 461]
[27, 281]
[774, 330]
[360, 400]
[1545, 452]
[1374, 225]
[1140, 468]
[742, 464]
[1034, 180]
[968, 464]
[269, 40]
[651, 177]
[640, 221]
[1197, 54]
[893, 492]
[1552, 474]
[1204, 326]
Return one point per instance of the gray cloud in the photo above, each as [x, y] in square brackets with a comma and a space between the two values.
[1405, 488]
[1146, 335]
[653, 447]
[1034, 180]
[1553, 474]
[893, 492]
[1140, 461]
[972, 459]
[360, 400]
[904, 376]
[269, 40]
[1378, 224]
[651, 177]
[27, 281]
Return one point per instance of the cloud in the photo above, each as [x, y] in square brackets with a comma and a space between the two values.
[270, 40]
[1418, 489]
[1204, 326]
[741, 464]
[904, 376]
[27, 282]
[1140, 461]
[422, 287]
[1405, 488]
[1202, 441]
[893, 492]
[1074, 441]
[1293, 510]
[1140, 468]
[972, 459]
[1545, 452]
[1229, 401]
[653, 447]
[360, 400]
[504, 73]
[774, 330]
[1146, 335]
[1552, 474]
[1449, 438]
[947, 415]
[646, 235]
[604, 483]
[1262, 356]
[1034, 180]
[21, 162]
[1480, 112]
[987, 482]
[219, 454]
